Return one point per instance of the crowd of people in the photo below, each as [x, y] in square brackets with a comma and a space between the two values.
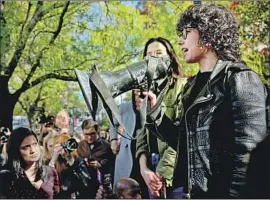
[205, 136]
[56, 163]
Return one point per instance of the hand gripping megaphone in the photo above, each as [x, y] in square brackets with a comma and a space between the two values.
[104, 87]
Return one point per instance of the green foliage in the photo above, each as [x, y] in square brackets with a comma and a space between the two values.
[254, 32]
[110, 35]
[105, 123]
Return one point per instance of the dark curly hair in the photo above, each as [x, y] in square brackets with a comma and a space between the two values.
[176, 66]
[217, 26]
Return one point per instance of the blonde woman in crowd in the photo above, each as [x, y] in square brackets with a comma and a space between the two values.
[62, 122]
[48, 145]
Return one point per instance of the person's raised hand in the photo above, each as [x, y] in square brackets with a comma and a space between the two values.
[104, 193]
[115, 146]
[138, 100]
[94, 164]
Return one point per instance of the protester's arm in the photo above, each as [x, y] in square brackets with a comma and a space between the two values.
[56, 184]
[166, 164]
[151, 179]
[248, 109]
[142, 146]
[159, 124]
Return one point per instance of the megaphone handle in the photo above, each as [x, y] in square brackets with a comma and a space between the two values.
[143, 88]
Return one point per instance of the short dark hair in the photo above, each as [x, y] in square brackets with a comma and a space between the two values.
[89, 124]
[217, 26]
[126, 183]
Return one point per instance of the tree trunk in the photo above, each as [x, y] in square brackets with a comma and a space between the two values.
[7, 104]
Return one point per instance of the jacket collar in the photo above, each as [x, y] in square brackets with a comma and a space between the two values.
[219, 67]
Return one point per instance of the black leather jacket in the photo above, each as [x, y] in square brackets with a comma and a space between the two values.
[224, 124]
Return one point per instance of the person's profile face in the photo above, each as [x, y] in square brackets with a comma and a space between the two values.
[50, 145]
[156, 49]
[189, 41]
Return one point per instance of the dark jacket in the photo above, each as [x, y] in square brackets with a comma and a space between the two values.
[79, 177]
[12, 187]
[224, 125]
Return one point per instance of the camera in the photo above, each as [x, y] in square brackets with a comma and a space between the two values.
[47, 120]
[42, 118]
[70, 145]
[3, 134]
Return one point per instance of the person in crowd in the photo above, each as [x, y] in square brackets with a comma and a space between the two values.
[96, 153]
[162, 174]
[67, 164]
[223, 121]
[46, 126]
[104, 134]
[4, 135]
[48, 146]
[26, 176]
[78, 137]
[62, 122]
[61, 157]
[126, 188]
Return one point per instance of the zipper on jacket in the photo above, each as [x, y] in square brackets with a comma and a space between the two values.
[208, 98]
[177, 123]
[210, 112]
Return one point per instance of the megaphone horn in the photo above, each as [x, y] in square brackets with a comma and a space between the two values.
[108, 85]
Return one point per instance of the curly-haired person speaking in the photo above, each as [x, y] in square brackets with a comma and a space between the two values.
[222, 128]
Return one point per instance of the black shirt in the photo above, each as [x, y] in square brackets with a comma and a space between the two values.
[181, 171]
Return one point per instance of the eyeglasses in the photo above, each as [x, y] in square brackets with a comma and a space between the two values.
[183, 34]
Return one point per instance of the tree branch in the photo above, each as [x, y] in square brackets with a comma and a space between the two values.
[26, 84]
[61, 20]
[126, 57]
[39, 94]
[107, 7]
[23, 106]
[44, 78]
[33, 40]
[26, 18]
[20, 46]
[52, 76]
